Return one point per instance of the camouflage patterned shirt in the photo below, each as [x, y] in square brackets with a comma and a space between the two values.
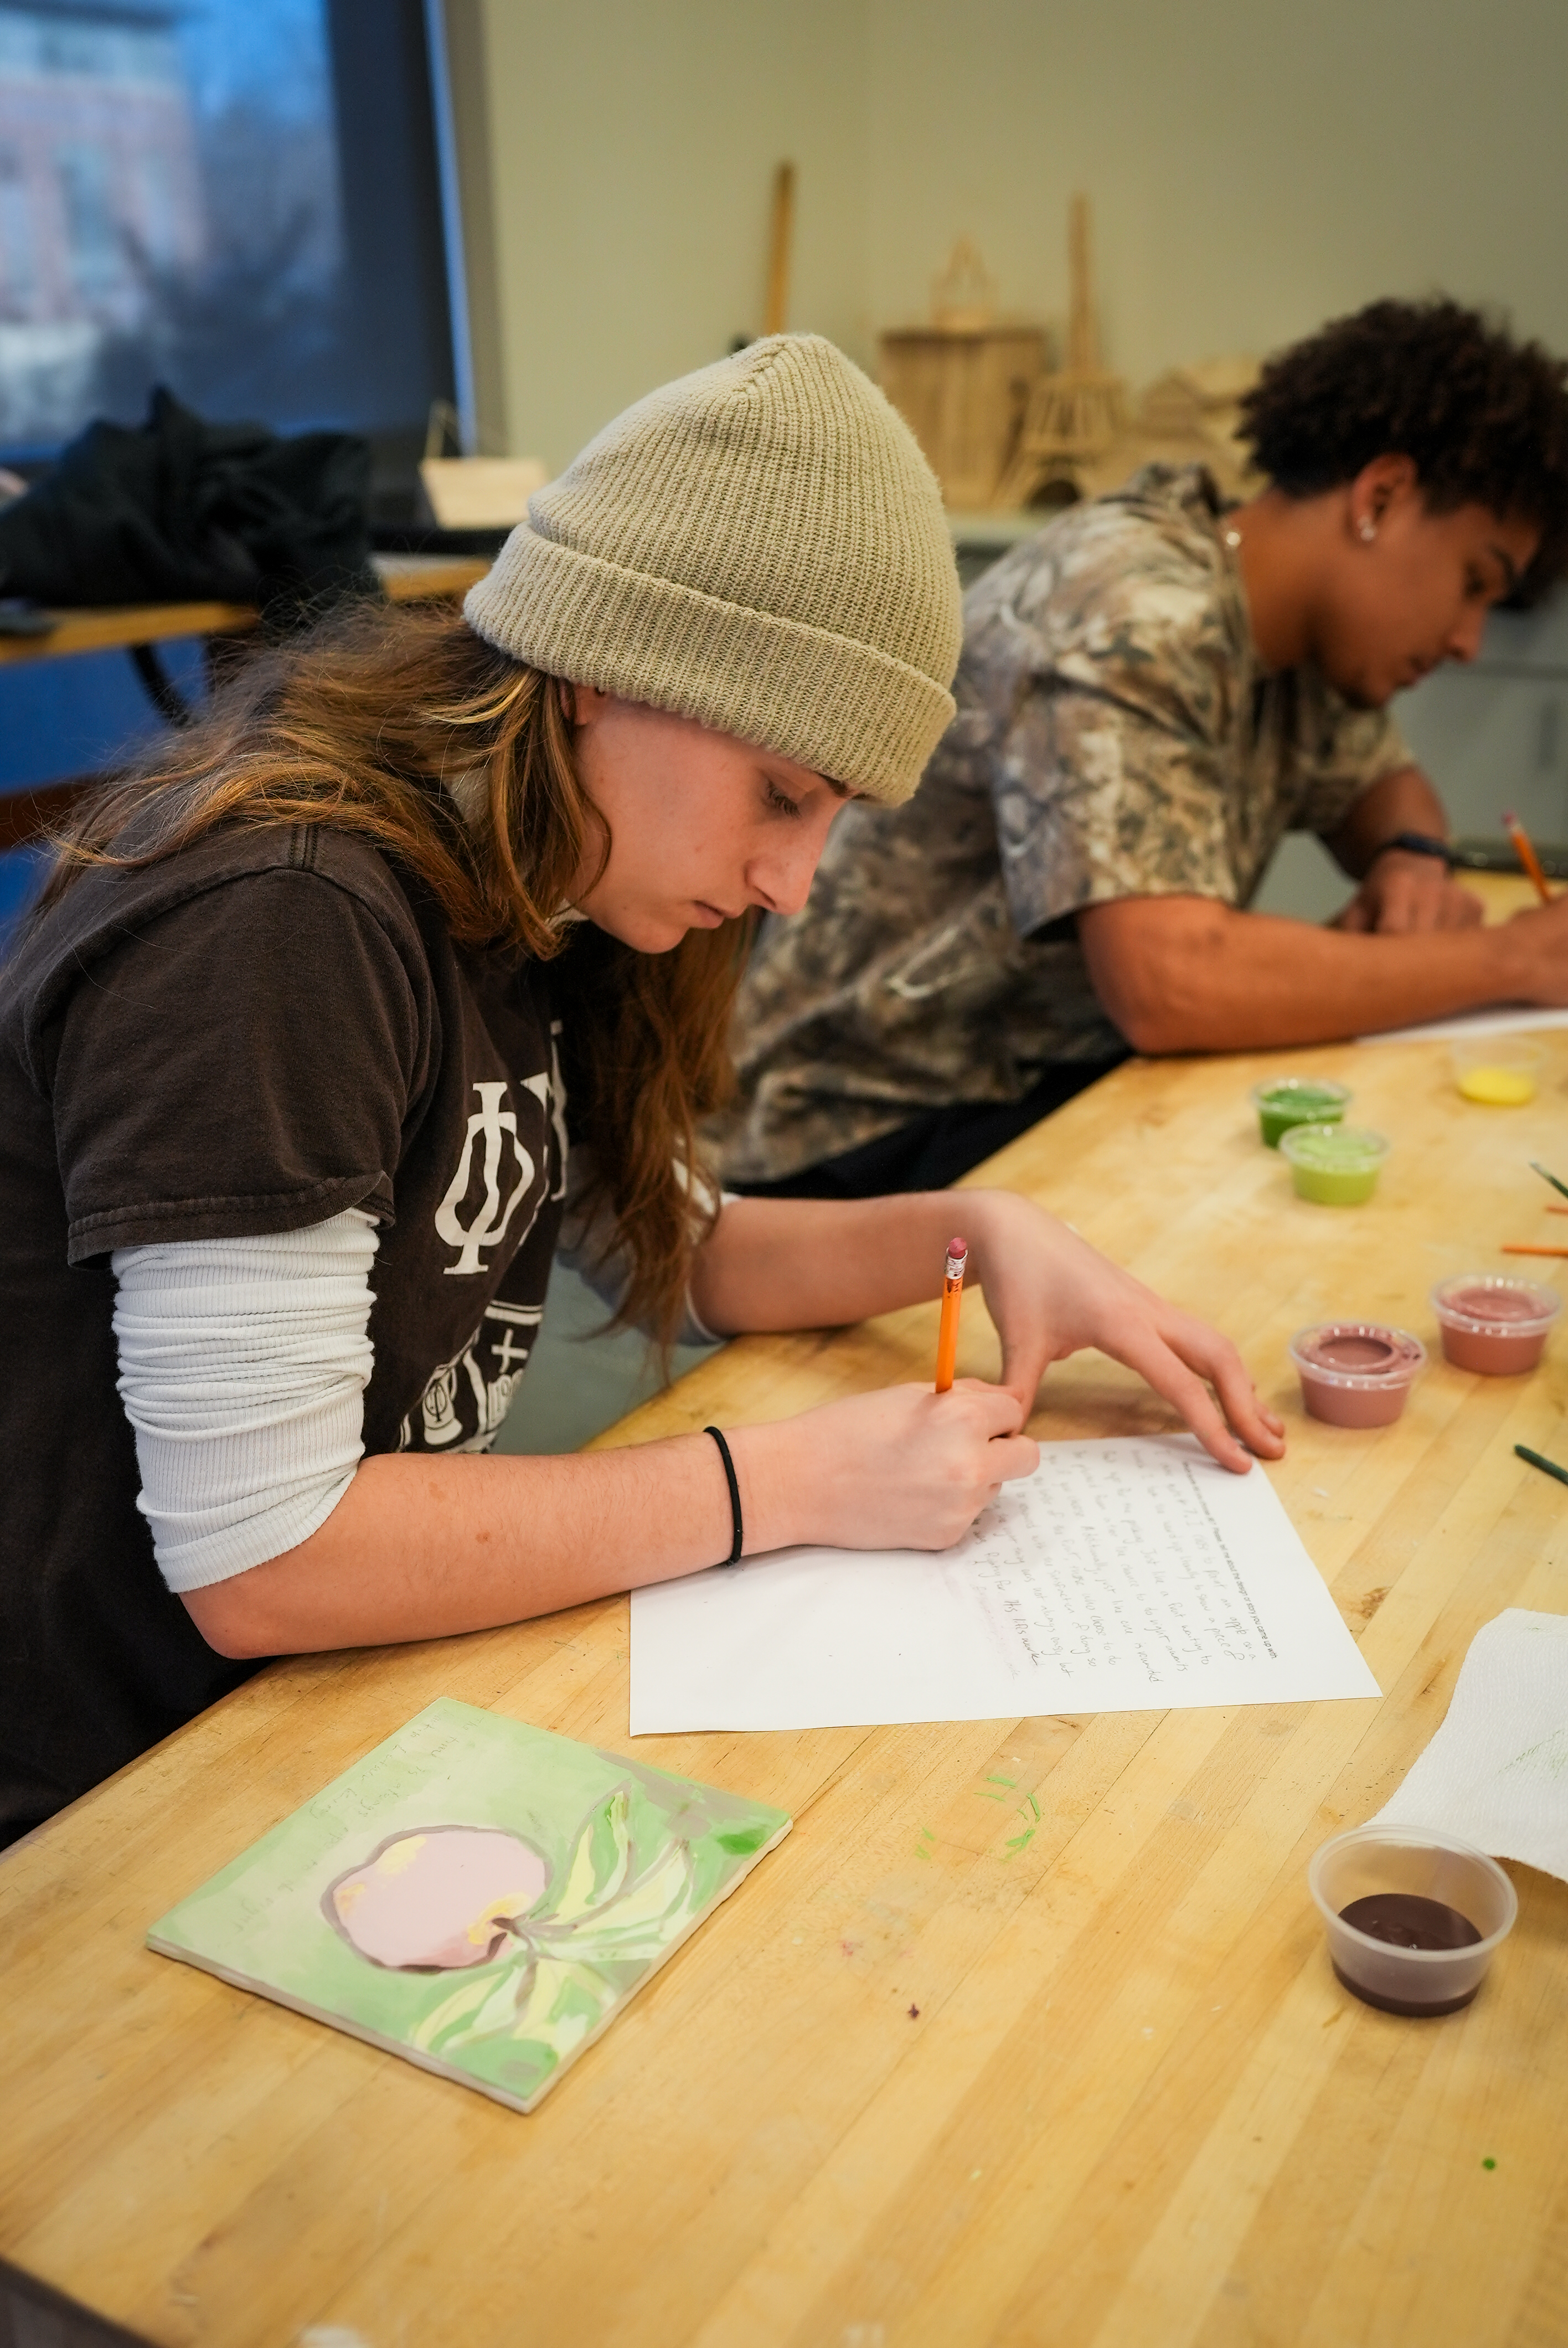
[1115, 737]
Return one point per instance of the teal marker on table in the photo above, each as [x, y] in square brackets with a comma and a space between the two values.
[1547, 1467]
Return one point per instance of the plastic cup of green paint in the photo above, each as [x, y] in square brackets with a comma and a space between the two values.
[1334, 1165]
[1285, 1101]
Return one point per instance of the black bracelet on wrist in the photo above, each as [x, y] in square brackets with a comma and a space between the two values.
[739, 1529]
[1414, 844]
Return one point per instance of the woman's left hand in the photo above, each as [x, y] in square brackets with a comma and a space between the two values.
[1050, 1295]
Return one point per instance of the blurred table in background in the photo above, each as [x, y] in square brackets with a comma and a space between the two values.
[406, 578]
[138, 629]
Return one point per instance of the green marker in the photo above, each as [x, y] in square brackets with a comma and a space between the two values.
[1547, 1467]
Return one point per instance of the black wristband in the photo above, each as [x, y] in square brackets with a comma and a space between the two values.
[1413, 843]
[739, 1531]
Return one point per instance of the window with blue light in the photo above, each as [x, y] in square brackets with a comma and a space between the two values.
[239, 199]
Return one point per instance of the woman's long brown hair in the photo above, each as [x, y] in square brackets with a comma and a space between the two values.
[364, 726]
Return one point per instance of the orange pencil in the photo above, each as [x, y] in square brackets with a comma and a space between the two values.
[952, 1297]
[1517, 1246]
[1527, 856]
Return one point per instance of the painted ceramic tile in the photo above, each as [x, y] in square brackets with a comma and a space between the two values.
[476, 1895]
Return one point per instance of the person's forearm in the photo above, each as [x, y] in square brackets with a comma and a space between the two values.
[1241, 982]
[1274, 981]
[420, 1547]
[821, 1264]
[1403, 801]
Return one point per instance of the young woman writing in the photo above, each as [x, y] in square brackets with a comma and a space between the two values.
[290, 1055]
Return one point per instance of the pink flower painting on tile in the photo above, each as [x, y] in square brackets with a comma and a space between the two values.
[438, 1900]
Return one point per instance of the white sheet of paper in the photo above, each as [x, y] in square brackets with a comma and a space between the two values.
[1523, 1018]
[1125, 1575]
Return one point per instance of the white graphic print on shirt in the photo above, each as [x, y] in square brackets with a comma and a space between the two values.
[499, 1127]
[466, 1398]
[463, 1379]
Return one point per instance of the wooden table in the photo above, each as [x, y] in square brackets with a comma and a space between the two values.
[928, 2078]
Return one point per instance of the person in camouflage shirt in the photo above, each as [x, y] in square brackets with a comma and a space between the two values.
[1153, 690]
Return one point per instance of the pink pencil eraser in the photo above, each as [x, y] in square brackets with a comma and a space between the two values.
[958, 1247]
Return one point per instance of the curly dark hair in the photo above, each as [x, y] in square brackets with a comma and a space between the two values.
[1483, 418]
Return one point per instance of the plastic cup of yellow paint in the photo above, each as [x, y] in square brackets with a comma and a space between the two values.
[1499, 1071]
[1334, 1165]
[1284, 1101]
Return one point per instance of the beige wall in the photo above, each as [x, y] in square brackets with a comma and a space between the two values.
[1255, 166]
[632, 148]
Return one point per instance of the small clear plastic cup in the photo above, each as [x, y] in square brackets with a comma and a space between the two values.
[1334, 1165]
[1408, 1871]
[1498, 1071]
[1495, 1325]
[1284, 1101]
[1356, 1373]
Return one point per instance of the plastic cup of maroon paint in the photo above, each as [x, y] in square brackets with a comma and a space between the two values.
[1356, 1373]
[1413, 1915]
[1493, 1325]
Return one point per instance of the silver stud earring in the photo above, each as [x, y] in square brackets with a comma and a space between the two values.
[1368, 531]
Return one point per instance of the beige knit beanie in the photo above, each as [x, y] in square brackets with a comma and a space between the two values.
[760, 546]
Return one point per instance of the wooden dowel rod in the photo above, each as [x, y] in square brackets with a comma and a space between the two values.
[775, 316]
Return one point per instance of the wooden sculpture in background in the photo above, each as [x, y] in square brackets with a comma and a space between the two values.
[962, 383]
[1189, 416]
[1074, 418]
[963, 293]
[1001, 432]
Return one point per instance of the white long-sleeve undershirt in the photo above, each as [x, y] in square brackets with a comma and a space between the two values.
[242, 1369]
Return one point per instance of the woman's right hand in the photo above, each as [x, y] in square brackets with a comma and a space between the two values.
[901, 1467]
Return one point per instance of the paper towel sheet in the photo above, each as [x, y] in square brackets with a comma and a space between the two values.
[1496, 1773]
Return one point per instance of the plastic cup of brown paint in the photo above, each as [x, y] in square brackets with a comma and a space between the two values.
[1492, 1325]
[1356, 1373]
[1413, 1915]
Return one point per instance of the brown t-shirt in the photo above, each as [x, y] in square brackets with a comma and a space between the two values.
[249, 1036]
